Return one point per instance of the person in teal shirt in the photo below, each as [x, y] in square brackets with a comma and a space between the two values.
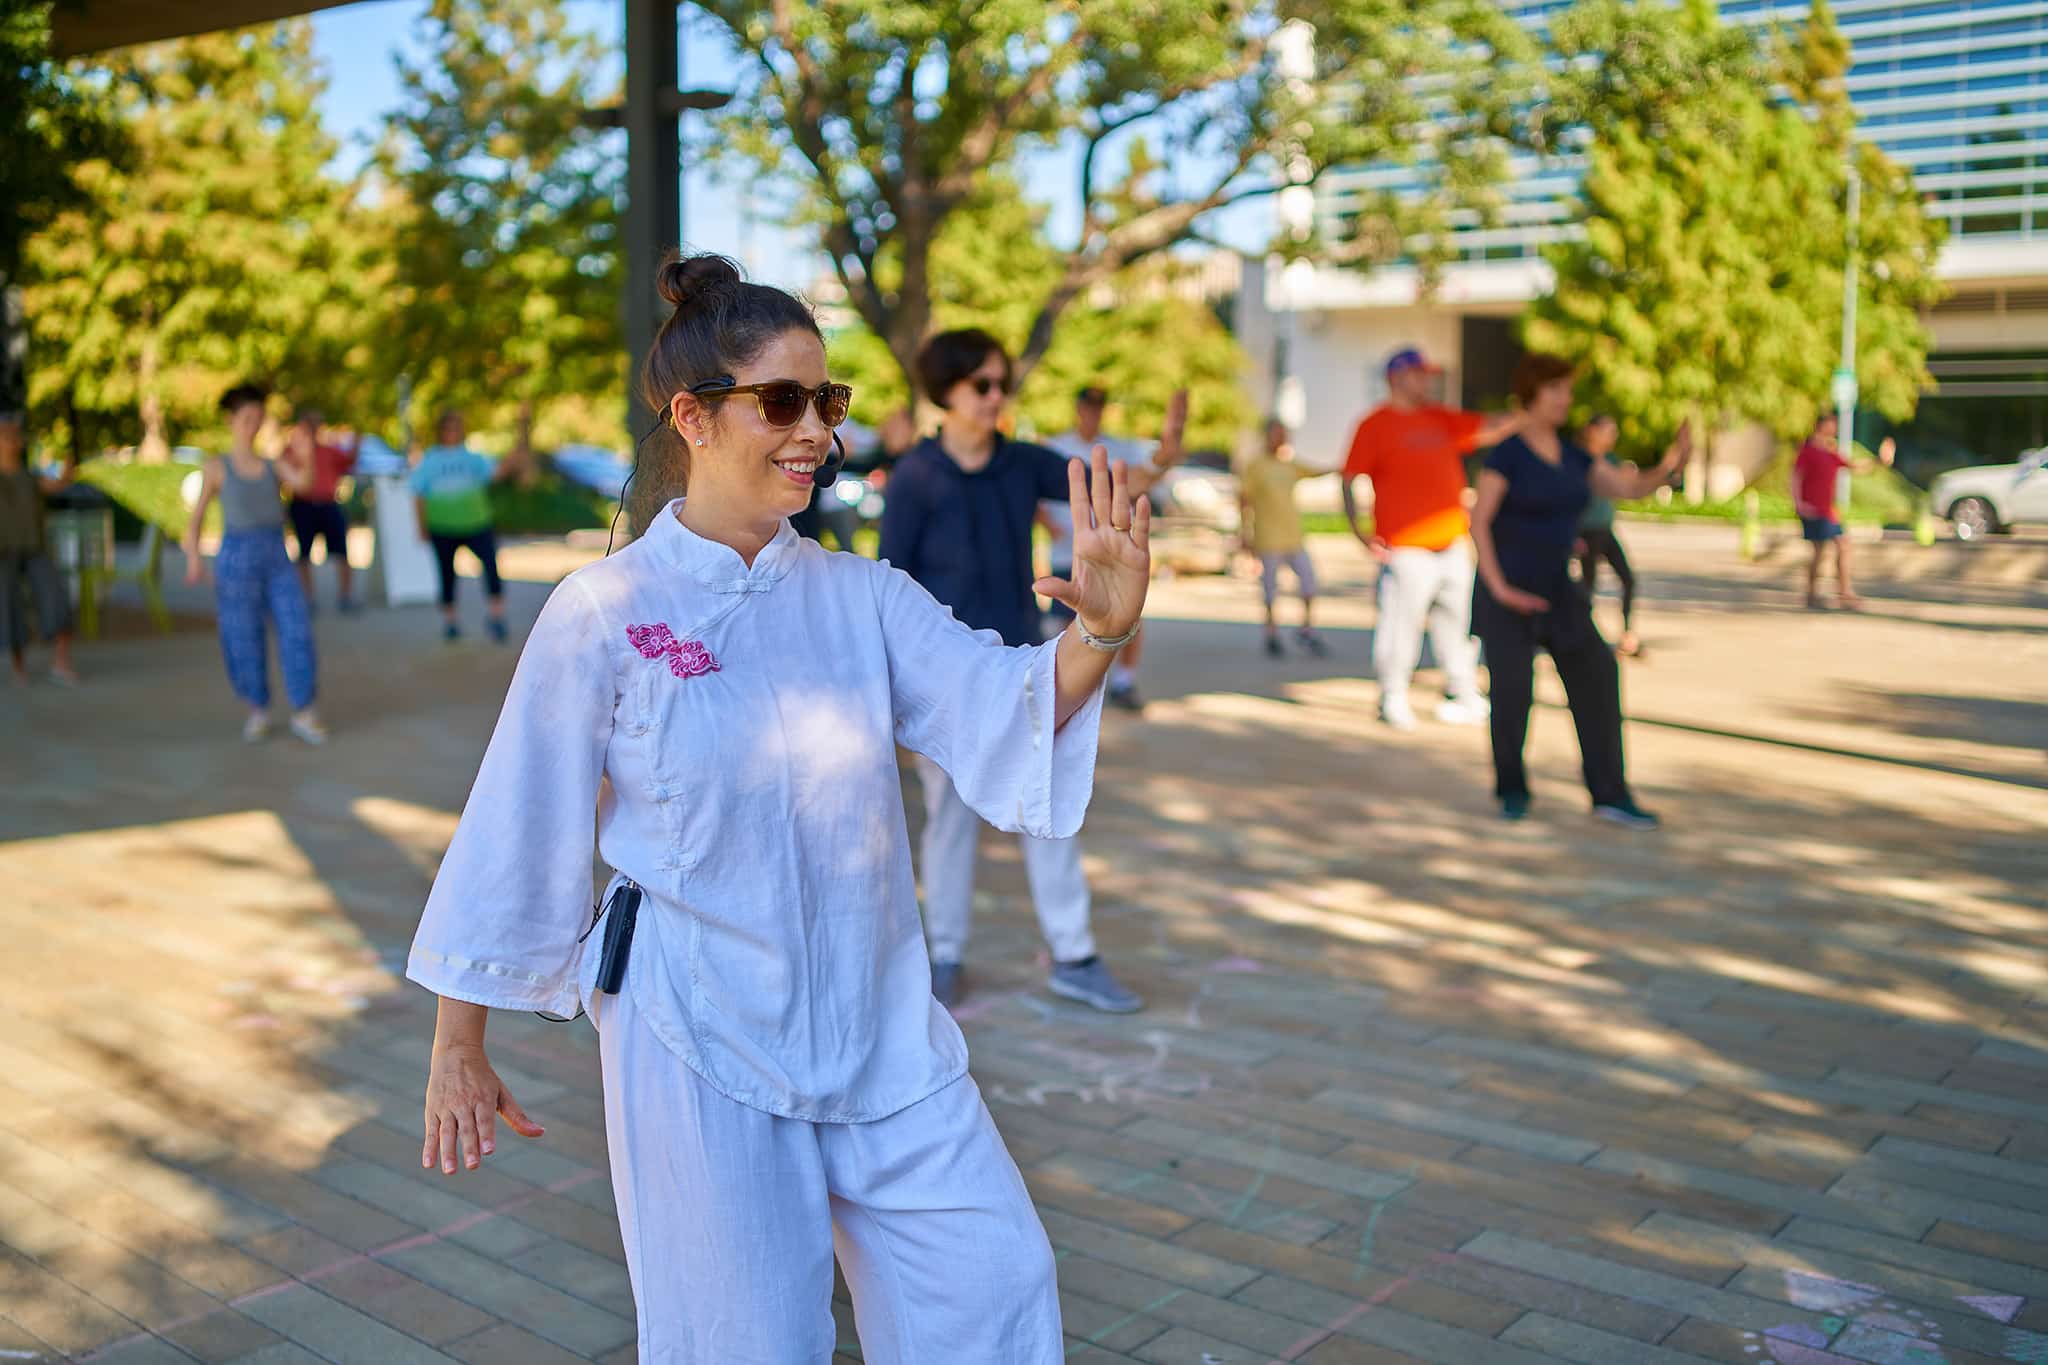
[1597, 540]
[453, 485]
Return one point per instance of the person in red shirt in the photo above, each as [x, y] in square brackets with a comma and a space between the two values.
[1413, 449]
[316, 471]
[1816, 473]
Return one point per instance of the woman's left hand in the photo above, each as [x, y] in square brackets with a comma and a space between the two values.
[1112, 548]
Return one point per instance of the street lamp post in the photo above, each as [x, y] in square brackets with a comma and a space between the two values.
[1845, 372]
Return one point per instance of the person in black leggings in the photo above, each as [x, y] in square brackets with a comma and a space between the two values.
[1531, 494]
[1597, 540]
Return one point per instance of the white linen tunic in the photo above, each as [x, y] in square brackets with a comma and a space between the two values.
[735, 730]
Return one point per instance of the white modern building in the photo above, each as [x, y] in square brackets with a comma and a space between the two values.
[1957, 90]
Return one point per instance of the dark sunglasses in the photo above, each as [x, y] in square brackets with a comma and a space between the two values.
[983, 384]
[782, 401]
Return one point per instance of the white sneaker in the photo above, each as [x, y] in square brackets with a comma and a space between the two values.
[308, 728]
[1464, 710]
[1397, 714]
[256, 728]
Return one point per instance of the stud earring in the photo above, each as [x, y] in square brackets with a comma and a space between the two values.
[700, 440]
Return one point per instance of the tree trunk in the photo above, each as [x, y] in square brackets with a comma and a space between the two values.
[154, 448]
[13, 350]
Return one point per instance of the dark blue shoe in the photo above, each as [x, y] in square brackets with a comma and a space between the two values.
[1514, 807]
[451, 632]
[497, 628]
[1627, 814]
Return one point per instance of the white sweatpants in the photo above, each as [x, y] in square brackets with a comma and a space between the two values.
[1425, 588]
[952, 834]
[732, 1216]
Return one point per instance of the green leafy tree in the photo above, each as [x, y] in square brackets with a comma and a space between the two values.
[1141, 339]
[1708, 280]
[48, 123]
[216, 250]
[505, 198]
[892, 115]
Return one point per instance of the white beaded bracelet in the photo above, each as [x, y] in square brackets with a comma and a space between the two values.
[1108, 644]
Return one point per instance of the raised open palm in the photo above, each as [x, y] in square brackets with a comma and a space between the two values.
[1112, 548]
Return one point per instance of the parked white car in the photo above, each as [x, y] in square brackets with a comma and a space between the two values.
[1985, 499]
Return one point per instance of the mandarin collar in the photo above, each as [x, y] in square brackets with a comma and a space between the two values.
[718, 566]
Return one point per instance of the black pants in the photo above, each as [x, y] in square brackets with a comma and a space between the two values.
[1601, 543]
[1592, 684]
[312, 521]
[482, 544]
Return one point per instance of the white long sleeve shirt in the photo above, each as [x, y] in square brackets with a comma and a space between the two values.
[735, 730]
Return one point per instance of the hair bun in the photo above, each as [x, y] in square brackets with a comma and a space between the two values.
[685, 280]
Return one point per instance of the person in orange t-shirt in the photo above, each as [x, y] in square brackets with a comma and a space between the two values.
[1413, 449]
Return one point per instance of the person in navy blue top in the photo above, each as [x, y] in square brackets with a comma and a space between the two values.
[1532, 492]
[958, 519]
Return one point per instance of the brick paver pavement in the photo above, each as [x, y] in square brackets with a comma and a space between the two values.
[1414, 1085]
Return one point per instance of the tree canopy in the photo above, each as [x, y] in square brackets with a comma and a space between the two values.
[891, 114]
[216, 250]
[1708, 280]
[49, 123]
[504, 200]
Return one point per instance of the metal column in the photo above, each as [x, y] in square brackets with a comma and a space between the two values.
[654, 191]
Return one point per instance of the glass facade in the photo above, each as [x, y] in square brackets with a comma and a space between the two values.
[1956, 90]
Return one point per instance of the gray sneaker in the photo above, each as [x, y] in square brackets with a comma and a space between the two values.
[946, 983]
[1089, 982]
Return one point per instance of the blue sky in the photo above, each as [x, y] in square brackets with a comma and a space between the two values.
[359, 43]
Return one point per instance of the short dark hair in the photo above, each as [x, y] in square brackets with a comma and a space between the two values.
[949, 357]
[309, 413]
[1826, 415]
[243, 394]
[1537, 371]
[1093, 393]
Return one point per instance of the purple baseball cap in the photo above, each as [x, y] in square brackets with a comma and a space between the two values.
[1409, 358]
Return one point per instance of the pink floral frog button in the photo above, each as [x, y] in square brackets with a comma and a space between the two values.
[686, 658]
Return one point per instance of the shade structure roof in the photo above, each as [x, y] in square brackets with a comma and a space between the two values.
[79, 27]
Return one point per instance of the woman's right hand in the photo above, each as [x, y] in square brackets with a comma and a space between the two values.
[195, 569]
[1516, 600]
[464, 1098]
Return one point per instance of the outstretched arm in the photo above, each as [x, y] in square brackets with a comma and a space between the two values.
[1497, 428]
[1634, 481]
[1169, 452]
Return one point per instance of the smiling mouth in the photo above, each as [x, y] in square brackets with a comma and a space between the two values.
[798, 471]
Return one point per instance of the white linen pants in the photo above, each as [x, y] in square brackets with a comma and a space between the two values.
[732, 1215]
[952, 835]
[1425, 589]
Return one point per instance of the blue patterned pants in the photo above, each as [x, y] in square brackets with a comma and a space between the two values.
[253, 578]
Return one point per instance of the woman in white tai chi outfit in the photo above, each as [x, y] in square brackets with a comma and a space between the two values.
[727, 698]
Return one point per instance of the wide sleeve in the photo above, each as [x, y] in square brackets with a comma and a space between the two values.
[514, 890]
[986, 713]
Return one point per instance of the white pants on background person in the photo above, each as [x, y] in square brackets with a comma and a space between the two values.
[732, 1216]
[1425, 589]
[952, 833]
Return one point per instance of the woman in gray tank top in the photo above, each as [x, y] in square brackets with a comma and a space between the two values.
[253, 576]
